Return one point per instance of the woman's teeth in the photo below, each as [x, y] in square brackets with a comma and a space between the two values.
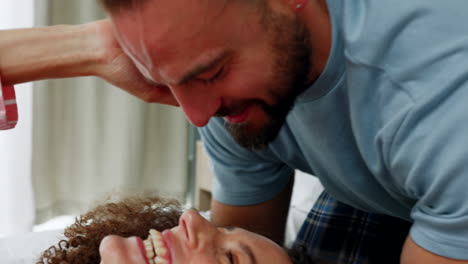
[155, 248]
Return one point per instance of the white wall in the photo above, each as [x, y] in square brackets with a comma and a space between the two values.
[16, 202]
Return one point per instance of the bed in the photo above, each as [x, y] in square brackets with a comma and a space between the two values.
[24, 248]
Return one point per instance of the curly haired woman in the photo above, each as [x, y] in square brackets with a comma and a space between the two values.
[113, 233]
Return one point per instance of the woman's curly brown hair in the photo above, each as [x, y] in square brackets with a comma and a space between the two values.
[132, 216]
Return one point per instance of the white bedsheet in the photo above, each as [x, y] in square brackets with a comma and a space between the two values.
[306, 190]
[25, 248]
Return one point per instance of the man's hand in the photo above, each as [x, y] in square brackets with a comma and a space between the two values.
[414, 254]
[118, 69]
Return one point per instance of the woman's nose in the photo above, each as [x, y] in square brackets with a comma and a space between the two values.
[198, 105]
[197, 229]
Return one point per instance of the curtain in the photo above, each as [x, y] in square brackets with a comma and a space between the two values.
[90, 138]
[16, 200]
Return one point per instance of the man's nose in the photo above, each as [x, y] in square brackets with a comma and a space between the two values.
[199, 105]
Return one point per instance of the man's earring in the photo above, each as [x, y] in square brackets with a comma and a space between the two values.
[299, 4]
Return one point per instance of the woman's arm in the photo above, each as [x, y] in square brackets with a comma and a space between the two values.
[49, 52]
[63, 51]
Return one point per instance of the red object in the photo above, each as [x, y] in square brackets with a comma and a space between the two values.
[8, 107]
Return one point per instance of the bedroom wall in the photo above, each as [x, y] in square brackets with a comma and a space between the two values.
[16, 201]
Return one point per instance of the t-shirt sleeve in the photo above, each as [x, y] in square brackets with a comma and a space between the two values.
[8, 108]
[419, 48]
[429, 155]
[242, 177]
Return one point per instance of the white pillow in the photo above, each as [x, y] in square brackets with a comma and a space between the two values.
[306, 190]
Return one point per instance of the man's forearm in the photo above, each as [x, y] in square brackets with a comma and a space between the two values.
[414, 254]
[267, 218]
[50, 52]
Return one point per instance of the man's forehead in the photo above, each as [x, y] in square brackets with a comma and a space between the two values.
[163, 29]
[178, 10]
[159, 14]
[167, 22]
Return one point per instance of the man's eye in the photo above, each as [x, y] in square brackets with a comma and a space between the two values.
[218, 74]
[214, 77]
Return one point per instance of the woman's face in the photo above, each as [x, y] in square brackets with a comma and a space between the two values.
[194, 240]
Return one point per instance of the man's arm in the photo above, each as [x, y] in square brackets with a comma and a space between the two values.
[414, 254]
[63, 51]
[267, 218]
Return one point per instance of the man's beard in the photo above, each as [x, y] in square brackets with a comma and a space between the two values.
[291, 48]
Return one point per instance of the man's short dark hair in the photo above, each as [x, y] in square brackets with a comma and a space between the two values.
[115, 5]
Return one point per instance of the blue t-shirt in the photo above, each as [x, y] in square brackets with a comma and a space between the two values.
[385, 127]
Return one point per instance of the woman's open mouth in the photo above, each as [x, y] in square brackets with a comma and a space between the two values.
[156, 250]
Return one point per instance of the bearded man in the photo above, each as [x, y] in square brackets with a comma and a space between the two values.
[369, 96]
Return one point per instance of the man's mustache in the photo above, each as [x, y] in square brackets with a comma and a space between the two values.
[233, 108]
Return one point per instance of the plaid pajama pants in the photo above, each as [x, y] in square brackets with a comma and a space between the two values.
[341, 234]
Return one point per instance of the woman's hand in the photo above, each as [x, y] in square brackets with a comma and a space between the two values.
[117, 68]
[64, 51]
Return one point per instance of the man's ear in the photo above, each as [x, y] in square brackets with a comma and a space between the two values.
[297, 5]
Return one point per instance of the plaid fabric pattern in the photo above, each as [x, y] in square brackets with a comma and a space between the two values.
[341, 234]
[8, 108]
